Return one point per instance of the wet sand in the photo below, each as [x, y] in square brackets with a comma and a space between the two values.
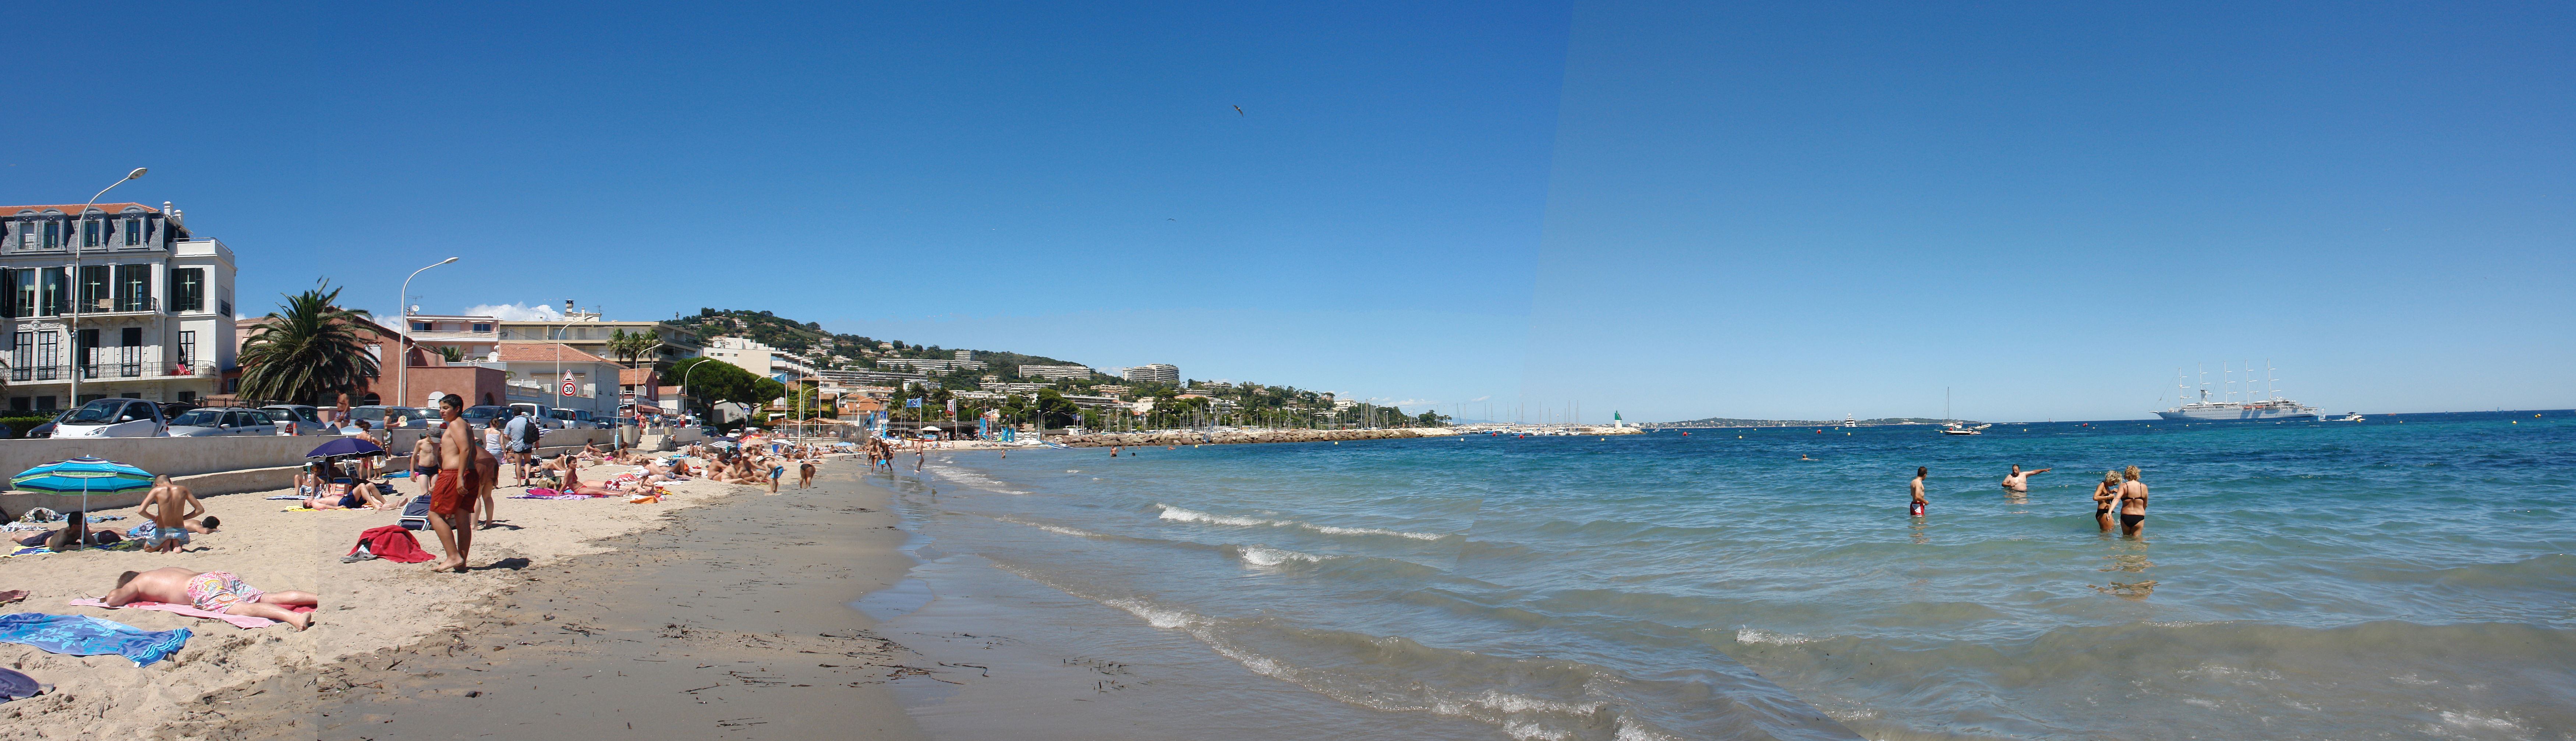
[729, 621]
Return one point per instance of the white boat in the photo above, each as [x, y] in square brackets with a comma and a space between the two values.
[2350, 417]
[2238, 402]
[1952, 426]
[1849, 422]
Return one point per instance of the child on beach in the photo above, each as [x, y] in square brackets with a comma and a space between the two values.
[1916, 509]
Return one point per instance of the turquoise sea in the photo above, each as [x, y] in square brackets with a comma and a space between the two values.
[2409, 576]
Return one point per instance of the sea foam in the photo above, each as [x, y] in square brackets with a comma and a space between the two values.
[1179, 514]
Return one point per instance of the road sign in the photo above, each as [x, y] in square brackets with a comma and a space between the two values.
[567, 384]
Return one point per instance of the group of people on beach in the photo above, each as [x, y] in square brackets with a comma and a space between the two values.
[2119, 490]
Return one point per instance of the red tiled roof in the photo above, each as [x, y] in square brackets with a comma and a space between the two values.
[545, 352]
[635, 376]
[75, 208]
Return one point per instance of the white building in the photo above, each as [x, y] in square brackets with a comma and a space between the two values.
[1075, 372]
[965, 361]
[144, 311]
[1162, 373]
[762, 360]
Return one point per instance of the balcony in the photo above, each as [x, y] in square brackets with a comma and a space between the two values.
[112, 368]
[128, 305]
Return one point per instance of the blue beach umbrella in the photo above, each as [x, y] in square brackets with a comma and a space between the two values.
[86, 476]
[345, 446]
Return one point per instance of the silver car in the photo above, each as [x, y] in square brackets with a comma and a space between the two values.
[113, 418]
[208, 422]
[306, 420]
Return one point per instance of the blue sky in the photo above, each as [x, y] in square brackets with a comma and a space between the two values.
[1672, 210]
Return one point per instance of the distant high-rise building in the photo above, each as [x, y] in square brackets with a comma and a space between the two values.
[1075, 372]
[1162, 373]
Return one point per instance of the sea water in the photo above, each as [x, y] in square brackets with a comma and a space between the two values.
[2405, 577]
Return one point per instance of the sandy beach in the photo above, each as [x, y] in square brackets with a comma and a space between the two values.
[253, 683]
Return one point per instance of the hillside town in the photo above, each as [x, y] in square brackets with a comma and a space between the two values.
[123, 301]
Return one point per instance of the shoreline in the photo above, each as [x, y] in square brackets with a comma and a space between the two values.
[367, 606]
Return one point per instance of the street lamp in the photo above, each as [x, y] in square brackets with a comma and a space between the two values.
[402, 353]
[74, 323]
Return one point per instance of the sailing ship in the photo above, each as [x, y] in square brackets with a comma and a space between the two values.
[1951, 426]
[2238, 399]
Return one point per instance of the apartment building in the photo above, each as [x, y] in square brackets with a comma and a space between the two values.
[762, 360]
[589, 332]
[1162, 373]
[143, 310]
[472, 337]
[964, 361]
[1075, 372]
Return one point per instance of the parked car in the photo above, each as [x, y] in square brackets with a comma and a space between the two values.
[479, 417]
[576, 419]
[46, 430]
[114, 418]
[545, 415]
[376, 414]
[306, 419]
[212, 421]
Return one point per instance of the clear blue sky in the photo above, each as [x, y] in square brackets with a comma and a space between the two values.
[1671, 210]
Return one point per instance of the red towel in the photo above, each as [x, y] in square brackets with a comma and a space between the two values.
[392, 543]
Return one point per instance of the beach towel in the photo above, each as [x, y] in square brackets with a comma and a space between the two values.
[299, 509]
[284, 497]
[238, 621]
[553, 496]
[82, 635]
[391, 542]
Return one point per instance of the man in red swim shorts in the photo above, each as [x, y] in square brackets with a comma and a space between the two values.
[452, 493]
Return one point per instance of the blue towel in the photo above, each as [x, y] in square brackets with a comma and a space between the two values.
[82, 635]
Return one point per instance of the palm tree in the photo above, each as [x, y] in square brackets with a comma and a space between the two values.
[307, 352]
[632, 346]
[452, 353]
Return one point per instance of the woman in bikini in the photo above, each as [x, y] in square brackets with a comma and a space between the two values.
[2103, 493]
[2133, 503]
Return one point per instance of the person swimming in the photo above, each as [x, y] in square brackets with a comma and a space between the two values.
[2103, 494]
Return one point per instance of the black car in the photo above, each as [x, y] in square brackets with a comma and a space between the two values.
[46, 430]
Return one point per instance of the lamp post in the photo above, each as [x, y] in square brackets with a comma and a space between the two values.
[402, 352]
[74, 270]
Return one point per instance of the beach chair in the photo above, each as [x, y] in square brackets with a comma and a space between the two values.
[415, 515]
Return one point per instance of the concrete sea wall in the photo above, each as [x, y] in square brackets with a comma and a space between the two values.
[227, 464]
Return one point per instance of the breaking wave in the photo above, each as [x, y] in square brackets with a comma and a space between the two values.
[1179, 514]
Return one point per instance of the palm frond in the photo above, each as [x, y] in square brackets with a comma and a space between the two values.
[309, 350]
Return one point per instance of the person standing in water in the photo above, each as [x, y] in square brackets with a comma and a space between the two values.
[2133, 503]
[1916, 509]
[2103, 495]
[2018, 482]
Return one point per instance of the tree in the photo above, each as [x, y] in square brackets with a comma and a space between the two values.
[631, 346]
[712, 381]
[308, 352]
[452, 353]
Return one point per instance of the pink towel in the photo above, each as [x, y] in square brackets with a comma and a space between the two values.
[238, 621]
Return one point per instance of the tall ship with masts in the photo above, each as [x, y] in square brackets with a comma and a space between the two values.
[2237, 399]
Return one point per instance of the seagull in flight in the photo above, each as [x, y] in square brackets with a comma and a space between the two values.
[1238, 110]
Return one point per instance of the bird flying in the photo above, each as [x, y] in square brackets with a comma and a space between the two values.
[1238, 110]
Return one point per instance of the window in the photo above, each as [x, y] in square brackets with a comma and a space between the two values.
[377, 352]
[187, 289]
[228, 307]
[133, 288]
[53, 234]
[93, 288]
[480, 327]
[89, 232]
[49, 354]
[56, 291]
[187, 349]
[133, 232]
[187, 397]
[420, 326]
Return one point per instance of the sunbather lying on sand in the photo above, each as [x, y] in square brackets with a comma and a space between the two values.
[212, 591]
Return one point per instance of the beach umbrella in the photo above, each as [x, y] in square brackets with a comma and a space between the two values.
[721, 445]
[86, 476]
[930, 429]
[345, 446]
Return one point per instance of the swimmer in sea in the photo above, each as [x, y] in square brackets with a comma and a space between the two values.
[1916, 509]
[1803, 457]
[2133, 503]
[2103, 494]
[2018, 482]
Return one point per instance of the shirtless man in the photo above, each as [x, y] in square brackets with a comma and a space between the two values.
[2018, 482]
[212, 591]
[424, 461]
[168, 507]
[2133, 503]
[452, 494]
[1916, 509]
[804, 474]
